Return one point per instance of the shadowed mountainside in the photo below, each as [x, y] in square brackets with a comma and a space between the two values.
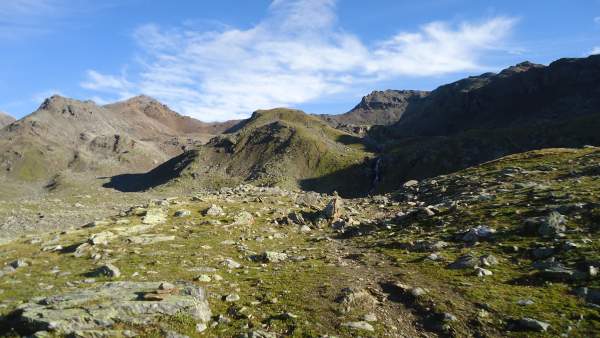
[481, 118]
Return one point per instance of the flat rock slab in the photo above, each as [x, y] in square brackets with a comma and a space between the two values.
[103, 306]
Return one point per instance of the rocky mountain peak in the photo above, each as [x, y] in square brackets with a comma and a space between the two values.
[379, 107]
[388, 98]
[521, 67]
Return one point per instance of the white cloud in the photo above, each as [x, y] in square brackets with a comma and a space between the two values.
[106, 83]
[594, 51]
[298, 53]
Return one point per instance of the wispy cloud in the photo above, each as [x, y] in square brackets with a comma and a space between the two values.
[597, 20]
[594, 51]
[19, 18]
[297, 54]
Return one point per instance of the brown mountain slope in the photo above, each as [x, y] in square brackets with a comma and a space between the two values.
[5, 119]
[162, 119]
[71, 136]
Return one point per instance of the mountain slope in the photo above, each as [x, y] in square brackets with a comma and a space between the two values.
[5, 119]
[66, 135]
[279, 147]
[379, 107]
[481, 118]
[160, 119]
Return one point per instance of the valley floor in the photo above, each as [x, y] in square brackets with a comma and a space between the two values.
[508, 248]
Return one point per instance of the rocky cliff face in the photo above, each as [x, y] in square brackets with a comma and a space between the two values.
[377, 108]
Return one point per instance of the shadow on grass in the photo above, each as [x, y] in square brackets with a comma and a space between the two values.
[157, 176]
[353, 181]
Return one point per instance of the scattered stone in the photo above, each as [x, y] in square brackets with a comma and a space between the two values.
[166, 286]
[183, 213]
[464, 262]
[525, 302]
[101, 238]
[243, 218]
[477, 233]
[411, 183]
[234, 297]
[448, 317]
[552, 225]
[272, 257]
[203, 278]
[488, 260]
[304, 229]
[154, 216]
[214, 211]
[417, 292]
[333, 210]
[201, 327]
[107, 270]
[530, 324]
[19, 263]
[231, 264]
[481, 272]
[355, 298]
[362, 325]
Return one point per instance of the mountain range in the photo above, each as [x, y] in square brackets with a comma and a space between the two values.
[390, 137]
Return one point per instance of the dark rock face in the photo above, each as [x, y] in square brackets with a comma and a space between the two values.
[523, 94]
[485, 117]
[378, 108]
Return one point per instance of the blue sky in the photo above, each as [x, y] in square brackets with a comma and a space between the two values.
[218, 60]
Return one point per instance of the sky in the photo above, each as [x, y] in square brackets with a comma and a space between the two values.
[219, 60]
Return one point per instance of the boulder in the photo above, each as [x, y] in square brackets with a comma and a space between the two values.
[552, 225]
[154, 216]
[182, 213]
[530, 324]
[464, 262]
[108, 306]
[214, 211]
[243, 218]
[272, 257]
[477, 233]
[107, 270]
[333, 210]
